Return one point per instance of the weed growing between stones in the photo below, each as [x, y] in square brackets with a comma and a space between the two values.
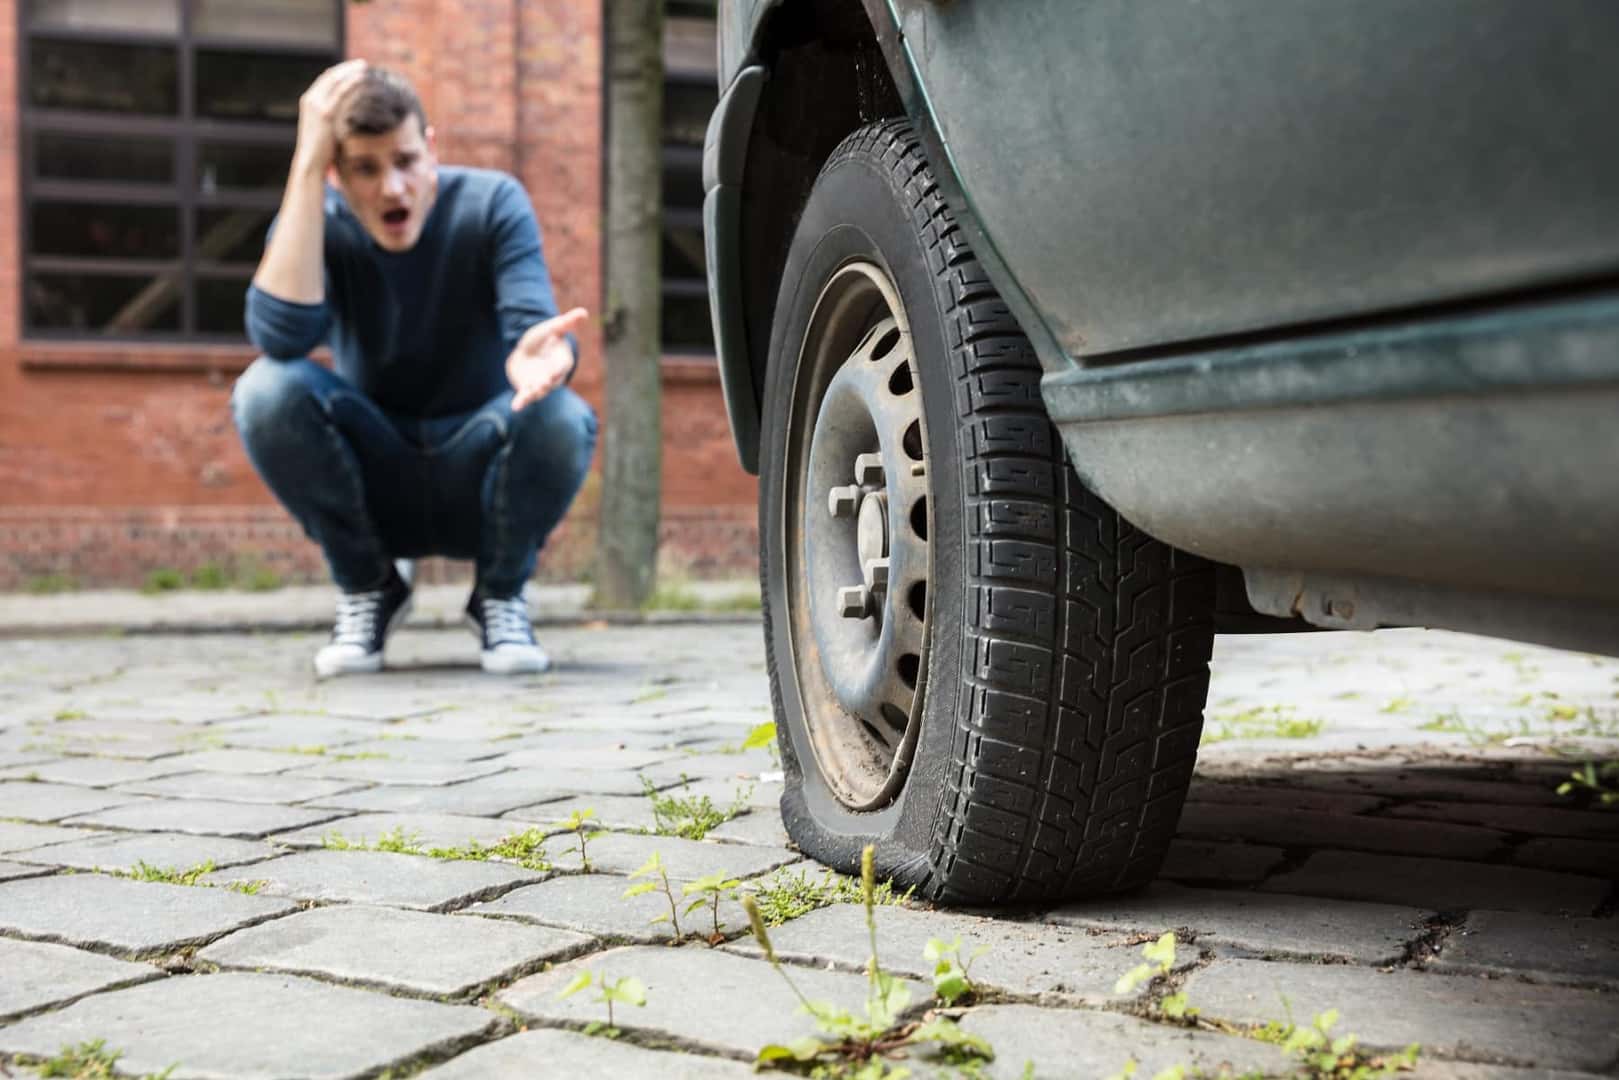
[321, 751]
[627, 990]
[1260, 722]
[710, 891]
[690, 817]
[784, 896]
[951, 981]
[91, 1061]
[1557, 722]
[863, 1048]
[654, 866]
[1318, 1054]
[576, 825]
[168, 875]
[525, 849]
[1597, 782]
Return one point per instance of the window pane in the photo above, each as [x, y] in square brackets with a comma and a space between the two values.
[122, 305]
[219, 306]
[689, 45]
[248, 86]
[685, 112]
[133, 16]
[686, 324]
[242, 167]
[232, 235]
[683, 187]
[59, 156]
[118, 232]
[103, 78]
[283, 22]
[682, 253]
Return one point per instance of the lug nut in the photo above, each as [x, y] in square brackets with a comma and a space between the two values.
[868, 470]
[842, 501]
[876, 573]
[854, 602]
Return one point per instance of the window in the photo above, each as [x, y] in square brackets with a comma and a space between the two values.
[689, 96]
[156, 137]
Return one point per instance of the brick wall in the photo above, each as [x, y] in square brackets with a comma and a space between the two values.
[116, 460]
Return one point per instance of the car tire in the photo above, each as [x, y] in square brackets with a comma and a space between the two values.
[1009, 709]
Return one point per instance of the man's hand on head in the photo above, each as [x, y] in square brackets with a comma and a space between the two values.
[543, 357]
[318, 112]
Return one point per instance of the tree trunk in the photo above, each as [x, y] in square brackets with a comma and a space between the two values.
[632, 459]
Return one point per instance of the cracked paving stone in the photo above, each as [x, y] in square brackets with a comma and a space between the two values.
[611, 811]
[1262, 924]
[595, 904]
[1450, 1015]
[289, 732]
[685, 860]
[53, 802]
[569, 1053]
[252, 1026]
[125, 851]
[98, 911]
[1432, 1069]
[1065, 1043]
[484, 796]
[1023, 958]
[12, 870]
[427, 830]
[206, 817]
[1575, 856]
[400, 773]
[1278, 797]
[762, 827]
[1438, 884]
[40, 974]
[241, 787]
[1541, 947]
[379, 877]
[19, 836]
[414, 951]
[1312, 828]
[1536, 821]
[239, 761]
[98, 772]
[1217, 861]
[741, 1006]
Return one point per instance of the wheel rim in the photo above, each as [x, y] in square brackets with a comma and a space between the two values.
[859, 519]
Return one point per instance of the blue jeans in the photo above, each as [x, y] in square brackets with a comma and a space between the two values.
[369, 486]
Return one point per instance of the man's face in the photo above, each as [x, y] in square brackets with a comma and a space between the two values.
[390, 182]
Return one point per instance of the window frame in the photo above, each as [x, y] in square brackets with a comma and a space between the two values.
[677, 157]
[185, 132]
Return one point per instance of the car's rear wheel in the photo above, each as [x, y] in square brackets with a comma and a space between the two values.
[976, 665]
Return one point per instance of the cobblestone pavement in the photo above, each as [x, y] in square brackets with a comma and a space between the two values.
[1373, 828]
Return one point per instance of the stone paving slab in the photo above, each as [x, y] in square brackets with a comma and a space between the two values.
[379, 877]
[762, 827]
[1530, 820]
[1451, 1016]
[1281, 798]
[390, 772]
[1258, 924]
[1312, 828]
[237, 761]
[546, 1052]
[120, 915]
[1023, 958]
[251, 1026]
[38, 974]
[205, 817]
[12, 870]
[241, 787]
[742, 1004]
[1062, 1044]
[283, 732]
[596, 904]
[94, 772]
[427, 830]
[411, 951]
[1589, 857]
[486, 795]
[1432, 1069]
[1443, 884]
[627, 812]
[1217, 862]
[418, 748]
[52, 802]
[22, 836]
[588, 759]
[170, 851]
[1537, 946]
[685, 860]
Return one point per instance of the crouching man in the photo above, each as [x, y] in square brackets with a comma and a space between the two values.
[447, 427]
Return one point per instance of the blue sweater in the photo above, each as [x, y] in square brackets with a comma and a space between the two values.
[424, 332]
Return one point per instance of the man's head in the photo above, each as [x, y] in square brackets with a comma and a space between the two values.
[386, 166]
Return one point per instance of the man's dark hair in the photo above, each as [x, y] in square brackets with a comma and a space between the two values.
[380, 103]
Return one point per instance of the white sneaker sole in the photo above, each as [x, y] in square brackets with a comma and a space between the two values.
[496, 662]
[364, 663]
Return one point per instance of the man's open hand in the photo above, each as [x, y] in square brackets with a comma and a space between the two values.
[543, 357]
[317, 114]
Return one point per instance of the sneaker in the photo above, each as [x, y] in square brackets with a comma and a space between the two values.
[364, 621]
[509, 647]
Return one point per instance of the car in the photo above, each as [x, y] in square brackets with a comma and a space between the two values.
[1063, 334]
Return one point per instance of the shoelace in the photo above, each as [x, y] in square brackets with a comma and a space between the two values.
[506, 621]
[357, 618]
